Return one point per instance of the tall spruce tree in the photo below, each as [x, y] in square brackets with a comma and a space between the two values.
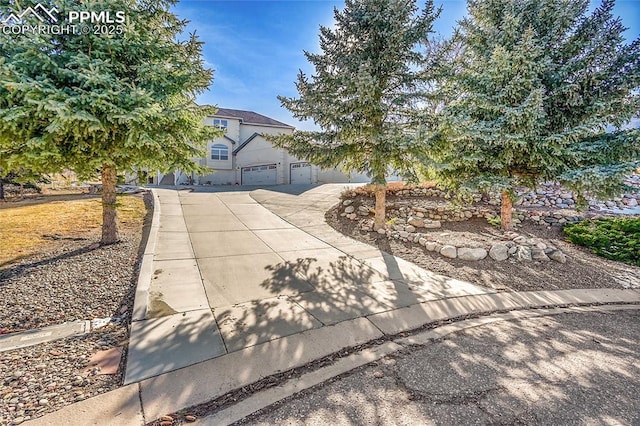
[366, 84]
[534, 94]
[104, 100]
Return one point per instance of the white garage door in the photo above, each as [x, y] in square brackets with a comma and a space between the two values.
[300, 173]
[260, 175]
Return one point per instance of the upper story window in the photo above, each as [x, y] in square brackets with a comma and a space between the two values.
[220, 124]
[219, 152]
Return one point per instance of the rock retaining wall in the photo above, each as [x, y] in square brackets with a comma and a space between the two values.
[550, 204]
[417, 210]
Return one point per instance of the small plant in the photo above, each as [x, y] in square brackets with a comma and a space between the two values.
[613, 238]
[495, 221]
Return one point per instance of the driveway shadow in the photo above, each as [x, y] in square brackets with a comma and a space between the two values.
[579, 368]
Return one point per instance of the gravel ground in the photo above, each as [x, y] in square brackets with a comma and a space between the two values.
[74, 279]
[583, 269]
[40, 379]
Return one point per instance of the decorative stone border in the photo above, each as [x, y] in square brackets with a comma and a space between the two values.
[518, 247]
[556, 210]
[557, 205]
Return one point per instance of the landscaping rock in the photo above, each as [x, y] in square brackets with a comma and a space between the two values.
[521, 240]
[466, 253]
[432, 224]
[499, 252]
[349, 209]
[410, 229]
[415, 221]
[558, 256]
[523, 253]
[449, 251]
[431, 246]
[538, 254]
[347, 202]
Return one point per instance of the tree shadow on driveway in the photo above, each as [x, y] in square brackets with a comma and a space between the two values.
[578, 368]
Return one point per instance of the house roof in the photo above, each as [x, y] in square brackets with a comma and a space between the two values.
[249, 117]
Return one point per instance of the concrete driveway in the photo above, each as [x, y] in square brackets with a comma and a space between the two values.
[231, 269]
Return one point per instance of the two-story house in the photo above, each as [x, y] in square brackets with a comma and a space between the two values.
[244, 157]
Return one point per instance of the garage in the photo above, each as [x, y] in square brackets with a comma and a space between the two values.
[260, 175]
[300, 173]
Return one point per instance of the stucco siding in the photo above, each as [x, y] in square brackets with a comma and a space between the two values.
[233, 126]
[220, 164]
[247, 130]
[220, 177]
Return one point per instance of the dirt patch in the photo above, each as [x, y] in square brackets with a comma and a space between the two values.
[583, 269]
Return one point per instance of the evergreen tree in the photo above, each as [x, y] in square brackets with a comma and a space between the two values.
[363, 93]
[99, 101]
[22, 177]
[533, 96]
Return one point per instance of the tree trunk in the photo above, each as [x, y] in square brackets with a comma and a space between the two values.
[381, 207]
[1, 189]
[505, 211]
[109, 214]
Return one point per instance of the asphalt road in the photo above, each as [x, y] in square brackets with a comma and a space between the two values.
[578, 368]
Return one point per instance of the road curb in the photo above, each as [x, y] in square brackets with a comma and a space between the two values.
[193, 385]
[198, 383]
[140, 303]
[267, 397]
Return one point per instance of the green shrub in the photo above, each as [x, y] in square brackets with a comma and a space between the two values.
[613, 238]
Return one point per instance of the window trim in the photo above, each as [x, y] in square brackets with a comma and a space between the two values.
[220, 123]
[221, 150]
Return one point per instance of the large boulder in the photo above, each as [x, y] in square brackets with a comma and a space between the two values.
[558, 256]
[449, 251]
[538, 254]
[499, 252]
[466, 253]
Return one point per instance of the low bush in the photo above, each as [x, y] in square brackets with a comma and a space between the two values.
[613, 238]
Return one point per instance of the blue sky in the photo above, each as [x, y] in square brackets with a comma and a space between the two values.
[256, 47]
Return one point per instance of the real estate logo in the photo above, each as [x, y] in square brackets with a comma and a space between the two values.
[39, 11]
[42, 20]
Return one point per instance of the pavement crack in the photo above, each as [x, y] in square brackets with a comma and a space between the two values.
[460, 398]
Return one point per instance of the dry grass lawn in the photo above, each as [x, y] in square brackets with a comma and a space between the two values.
[27, 229]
